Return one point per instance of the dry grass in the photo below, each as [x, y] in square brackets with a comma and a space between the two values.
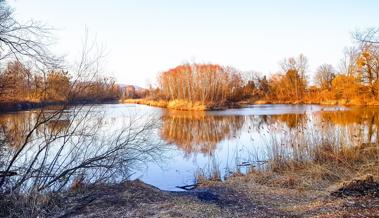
[153, 103]
[205, 179]
[30, 205]
[187, 105]
[327, 168]
[131, 199]
[175, 104]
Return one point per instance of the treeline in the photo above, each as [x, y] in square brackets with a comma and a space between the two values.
[30, 75]
[21, 85]
[355, 81]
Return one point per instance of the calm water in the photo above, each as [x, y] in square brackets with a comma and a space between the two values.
[183, 144]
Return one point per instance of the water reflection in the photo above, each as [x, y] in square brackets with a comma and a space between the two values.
[124, 143]
[14, 127]
[320, 137]
[49, 150]
[290, 120]
[197, 132]
[362, 123]
[58, 126]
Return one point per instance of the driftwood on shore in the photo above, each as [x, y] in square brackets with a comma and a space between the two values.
[189, 187]
[252, 164]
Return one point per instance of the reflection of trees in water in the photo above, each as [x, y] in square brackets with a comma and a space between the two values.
[58, 126]
[55, 148]
[290, 120]
[280, 121]
[197, 132]
[354, 126]
[15, 127]
[318, 137]
[362, 124]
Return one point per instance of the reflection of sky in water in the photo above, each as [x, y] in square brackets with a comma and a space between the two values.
[247, 144]
[233, 136]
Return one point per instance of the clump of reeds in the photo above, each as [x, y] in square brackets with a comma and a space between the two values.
[315, 160]
[174, 104]
[204, 177]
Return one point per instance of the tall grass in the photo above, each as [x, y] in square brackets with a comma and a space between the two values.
[183, 105]
[304, 158]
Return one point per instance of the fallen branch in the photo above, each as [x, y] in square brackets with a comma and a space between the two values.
[189, 187]
[7, 173]
[257, 162]
[245, 164]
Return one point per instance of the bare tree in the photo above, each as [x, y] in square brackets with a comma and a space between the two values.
[369, 36]
[67, 144]
[348, 64]
[298, 64]
[368, 58]
[294, 70]
[24, 40]
[324, 76]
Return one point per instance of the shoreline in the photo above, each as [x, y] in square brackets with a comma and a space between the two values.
[238, 196]
[198, 106]
[29, 105]
[174, 105]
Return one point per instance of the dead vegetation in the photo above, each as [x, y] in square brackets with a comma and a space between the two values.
[136, 199]
[181, 105]
[366, 186]
[327, 170]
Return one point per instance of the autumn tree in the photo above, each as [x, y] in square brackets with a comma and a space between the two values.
[263, 86]
[22, 43]
[324, 76]
[130, 92]
[16, 81]
[57, 86]
[367, 60]
[295, 75]
[206, 83]
[298, 64]
[291, 82]
[345, 87]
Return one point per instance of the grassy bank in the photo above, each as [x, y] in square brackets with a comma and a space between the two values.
[199, 106]
[335, 184]
[326, 170]
[239, 196]
[342, 102]
[175, 104]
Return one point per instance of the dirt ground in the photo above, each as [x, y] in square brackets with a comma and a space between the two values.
[236, 197]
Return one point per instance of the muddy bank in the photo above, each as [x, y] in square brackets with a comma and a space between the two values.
[136, 199]
[237, 197]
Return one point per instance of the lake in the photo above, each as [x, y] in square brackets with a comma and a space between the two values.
[179, 146]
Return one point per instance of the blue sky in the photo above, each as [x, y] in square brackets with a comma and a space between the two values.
[144, 37]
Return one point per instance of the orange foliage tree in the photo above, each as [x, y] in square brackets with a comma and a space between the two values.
[345, 87]
[205, 83]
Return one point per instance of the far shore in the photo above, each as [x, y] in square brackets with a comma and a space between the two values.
[199, 106]
[29, 105]
[182, 105]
